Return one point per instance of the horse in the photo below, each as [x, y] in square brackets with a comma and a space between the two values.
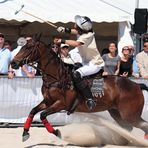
[121, 97]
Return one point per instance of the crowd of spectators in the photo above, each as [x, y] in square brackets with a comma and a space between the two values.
[127, 65]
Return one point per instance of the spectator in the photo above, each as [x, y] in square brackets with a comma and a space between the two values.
[112, 60]
[135, 69]
[145, 37]
[5, 56]
[7, 45]
[55, 48]
[29, 39]
[64, 54]
[132, 51]
[24, 70]
[70, 57]
[142, 60]
[125, 69]
[105, 51]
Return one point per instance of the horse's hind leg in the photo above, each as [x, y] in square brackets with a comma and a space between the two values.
[116, 116]
[29, 120]
[56, 107]
[47, 125]
[142, 124]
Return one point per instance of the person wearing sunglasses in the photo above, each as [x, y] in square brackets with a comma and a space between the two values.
[126, 62]
[142, 60]
[70, 56]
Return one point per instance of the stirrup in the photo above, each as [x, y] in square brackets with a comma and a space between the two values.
[91, 104]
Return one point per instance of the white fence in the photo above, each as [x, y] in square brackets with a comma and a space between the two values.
[20, 95]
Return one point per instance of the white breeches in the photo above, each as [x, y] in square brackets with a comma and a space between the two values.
[89, 69]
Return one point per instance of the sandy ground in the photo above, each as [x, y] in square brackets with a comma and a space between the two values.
[93, 132]
[39, 138]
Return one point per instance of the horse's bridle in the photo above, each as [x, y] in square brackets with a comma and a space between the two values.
[34, 50]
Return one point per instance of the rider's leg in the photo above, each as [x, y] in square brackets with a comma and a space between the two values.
[85, 70]
[90, 69]
[84, 89]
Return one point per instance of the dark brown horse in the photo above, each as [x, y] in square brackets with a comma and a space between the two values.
[122, 97]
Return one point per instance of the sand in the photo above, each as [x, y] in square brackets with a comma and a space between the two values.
[40, 138]
[92, 131]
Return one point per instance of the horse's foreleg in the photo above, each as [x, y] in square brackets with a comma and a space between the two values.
[117, 117]
[142, 124]
[29, 120]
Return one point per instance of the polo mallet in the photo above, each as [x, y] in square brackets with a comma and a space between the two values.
[21, 9]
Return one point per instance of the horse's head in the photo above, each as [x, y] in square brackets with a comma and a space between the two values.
[27, 54]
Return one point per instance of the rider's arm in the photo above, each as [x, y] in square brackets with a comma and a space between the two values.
[74, 31]
[69, 42]
[72, 43]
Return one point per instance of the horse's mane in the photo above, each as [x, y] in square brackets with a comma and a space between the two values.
[64, 69]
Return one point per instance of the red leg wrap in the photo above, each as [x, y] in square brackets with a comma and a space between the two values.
[146, 136]
[48, 126]
[28, 122]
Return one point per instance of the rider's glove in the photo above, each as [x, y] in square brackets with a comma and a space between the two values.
[63, 30]
[77, 65]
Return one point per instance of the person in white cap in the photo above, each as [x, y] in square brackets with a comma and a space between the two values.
[24, 70]
[91, 58]
[69, 56]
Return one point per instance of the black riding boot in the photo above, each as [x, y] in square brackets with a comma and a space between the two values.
[84, 89]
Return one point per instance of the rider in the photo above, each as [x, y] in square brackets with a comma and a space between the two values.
[91, 59]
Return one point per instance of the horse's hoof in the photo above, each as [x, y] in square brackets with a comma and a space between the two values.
[68, 113]
[25, 137]
[57, 133]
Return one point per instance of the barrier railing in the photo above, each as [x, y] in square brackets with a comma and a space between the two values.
[19, 95]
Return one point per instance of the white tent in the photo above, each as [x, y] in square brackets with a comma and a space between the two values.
[54, 11]
[65, 10]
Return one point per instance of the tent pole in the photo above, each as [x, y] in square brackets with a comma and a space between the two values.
[137, 4]
[138, 36]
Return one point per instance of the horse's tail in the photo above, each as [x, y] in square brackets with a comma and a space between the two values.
[143, 86]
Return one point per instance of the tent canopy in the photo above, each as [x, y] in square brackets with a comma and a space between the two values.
[115, 12]
[65, 10]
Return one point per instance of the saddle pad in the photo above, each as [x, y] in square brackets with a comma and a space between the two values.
[97, 87]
